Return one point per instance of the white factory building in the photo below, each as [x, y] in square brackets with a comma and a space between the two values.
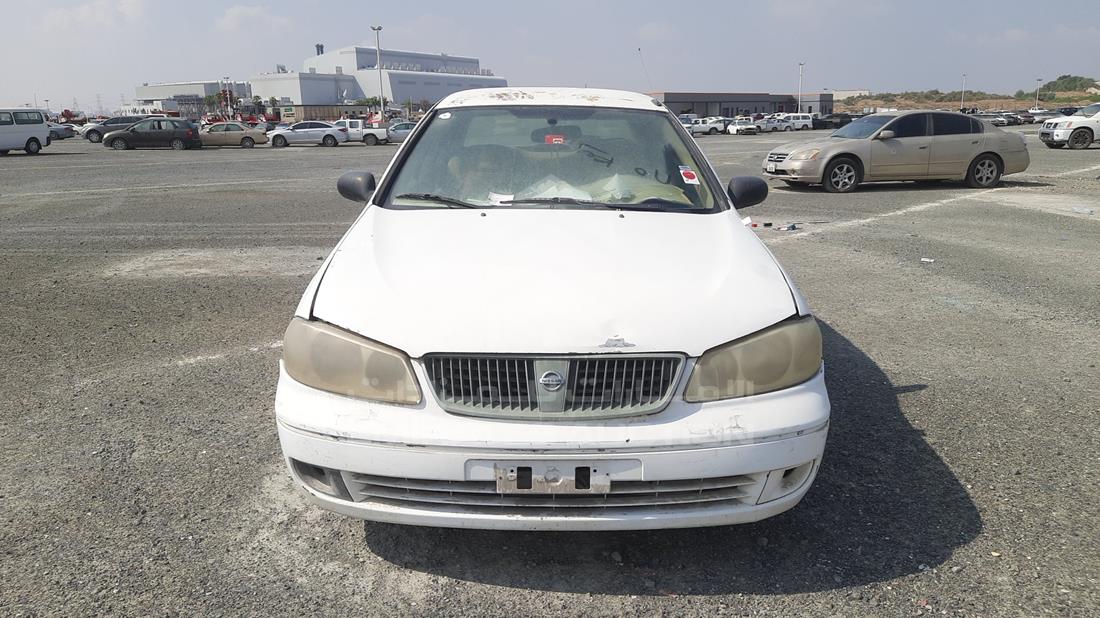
[350, 73]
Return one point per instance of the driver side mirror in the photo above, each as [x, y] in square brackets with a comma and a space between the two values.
[356, 186]
[886, 134]
[747, 191]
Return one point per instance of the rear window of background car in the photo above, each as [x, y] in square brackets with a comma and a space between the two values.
[6, 119]
[28, 118]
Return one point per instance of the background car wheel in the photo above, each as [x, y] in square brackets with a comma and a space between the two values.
[177, 144]
[713, 131]
[841, 176]
[1049, 145]
[279, 141]
[95, 137]
[370, 140]
[248, 142]
[985, 172]
[32, 147]
[54, 135]
[1080, 139]
[787, 128]
[119, 144]
[329, 141]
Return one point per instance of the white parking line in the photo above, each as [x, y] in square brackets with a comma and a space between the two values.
[194, 185]
[828, 227]
[1080, 171]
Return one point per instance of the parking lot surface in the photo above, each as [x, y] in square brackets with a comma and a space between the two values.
[147, 293]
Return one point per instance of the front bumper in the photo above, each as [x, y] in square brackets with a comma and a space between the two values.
[801, 171]
[745, 460]
[1055, 136]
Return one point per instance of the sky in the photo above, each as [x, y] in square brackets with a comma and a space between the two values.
[84, 48]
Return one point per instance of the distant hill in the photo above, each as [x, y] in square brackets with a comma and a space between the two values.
[1067, 89]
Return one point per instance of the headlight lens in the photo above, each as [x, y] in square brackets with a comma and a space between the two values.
[779, 357]
[331, 359]
[805, 155]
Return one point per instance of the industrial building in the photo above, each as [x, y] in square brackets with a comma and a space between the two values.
[732, 104]
[187, 98]
[350, 73]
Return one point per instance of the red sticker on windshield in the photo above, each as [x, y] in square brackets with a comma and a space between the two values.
[688, 175]
[554, 139]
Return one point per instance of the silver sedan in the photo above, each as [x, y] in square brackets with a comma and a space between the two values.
[309, 132]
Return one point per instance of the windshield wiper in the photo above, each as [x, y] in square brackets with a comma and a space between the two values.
[652, 203]
[451, 202]
[553, 200]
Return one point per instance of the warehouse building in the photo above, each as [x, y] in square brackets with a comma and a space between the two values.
[350, 73]
[732, 104]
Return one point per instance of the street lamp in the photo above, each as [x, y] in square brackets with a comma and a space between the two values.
[378, 65]
[962, 101]
[228, 98]
[800, 65]
[1038, 80]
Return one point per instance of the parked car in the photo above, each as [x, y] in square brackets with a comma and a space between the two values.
[232, 134]
[160, 132]
[94, 132]
[831, 121]
[770, 124]
[799, 121]
[916, 145]
[1078, 131]
[997, 120]
[1025, 116]
[608, 420]
[708, 126]
[309, 132]
[1067, 111]
[742, 126]
[398, 131]
[359, 130]
[60, 131]
[23, 129]
[1012, 119]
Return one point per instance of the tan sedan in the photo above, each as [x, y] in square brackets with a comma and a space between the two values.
[914, 145]
[232, 134]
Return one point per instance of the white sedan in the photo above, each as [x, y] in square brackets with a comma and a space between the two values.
[484, 348]
[309, 132]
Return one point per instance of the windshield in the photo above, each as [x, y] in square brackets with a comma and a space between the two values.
[1091, 110]
[551, 157]
[862, 128]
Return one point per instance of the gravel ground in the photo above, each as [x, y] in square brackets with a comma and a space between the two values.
[140, 474]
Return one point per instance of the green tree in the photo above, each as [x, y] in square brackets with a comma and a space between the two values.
[273, 102]
[1070, 83]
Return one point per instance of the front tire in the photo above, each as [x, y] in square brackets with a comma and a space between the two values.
[177, 144]
[95, 137]
[370, 140]
[248, 142]
[787, 128]
[1080, 139]
[278, 141]
[329, 141]
[841, 176]
[985, 172]
[713, 131]
[32, 147]
[119, 144]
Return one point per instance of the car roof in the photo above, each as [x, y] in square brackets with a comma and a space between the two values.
[583, 97]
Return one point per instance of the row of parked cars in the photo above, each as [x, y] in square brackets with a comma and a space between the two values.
[761, 123]
[159, 131]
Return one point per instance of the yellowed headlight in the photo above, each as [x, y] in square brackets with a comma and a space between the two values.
[332, 359]
[782, 356]
[805, 155]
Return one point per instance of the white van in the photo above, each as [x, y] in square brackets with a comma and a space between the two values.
[799, 121]
[23, 129]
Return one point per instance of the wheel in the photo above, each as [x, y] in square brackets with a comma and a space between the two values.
[1080, 139]
[1049, 145]
[841, 176]
[248, 142]
[119, 144]
[32, 147]
[787, 128]
[713, 131]
[984, 172]
[177, 144]
[54, 135]
[329, 141]
[94, 137]
[279, 141]
[370, 140]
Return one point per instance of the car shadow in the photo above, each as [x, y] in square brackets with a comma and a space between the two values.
[884, 505]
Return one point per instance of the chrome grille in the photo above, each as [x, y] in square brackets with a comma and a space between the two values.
[598, 386]
[483, 496]
[776, 157]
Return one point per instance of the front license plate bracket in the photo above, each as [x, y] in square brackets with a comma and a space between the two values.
[552, 478]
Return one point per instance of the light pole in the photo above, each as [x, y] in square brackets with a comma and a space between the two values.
[378, 65]
[228, 99]
[48, 106]
[962, 101]
[1038, 80]
[800, 65]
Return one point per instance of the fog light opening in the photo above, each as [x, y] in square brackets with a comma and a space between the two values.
[784, 481]
[320, 479]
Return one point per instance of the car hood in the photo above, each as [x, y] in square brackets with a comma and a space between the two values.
[822, 144]
[551, 281]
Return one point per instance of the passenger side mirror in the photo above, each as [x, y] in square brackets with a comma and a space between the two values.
[356, 186]
[886, 134]
[747, 191]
